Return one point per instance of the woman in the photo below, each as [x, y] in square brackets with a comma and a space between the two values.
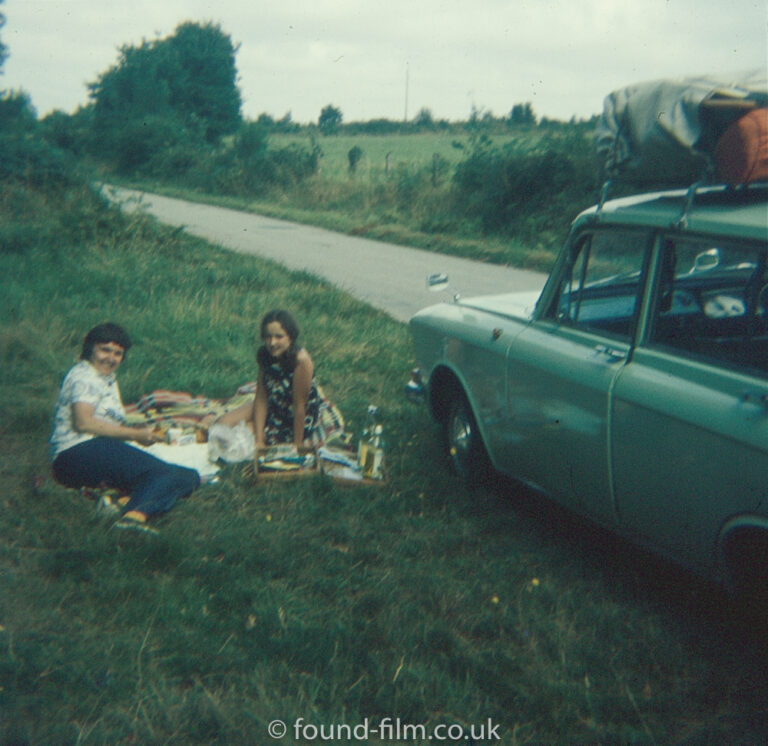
[89, 445]
[287, 404]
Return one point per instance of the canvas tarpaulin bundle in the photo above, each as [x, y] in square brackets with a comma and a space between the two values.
[665, 132]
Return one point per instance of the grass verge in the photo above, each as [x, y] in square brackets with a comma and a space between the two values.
[415, 600]
[364, 223]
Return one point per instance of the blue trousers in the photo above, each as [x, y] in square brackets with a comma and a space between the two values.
[154, 485]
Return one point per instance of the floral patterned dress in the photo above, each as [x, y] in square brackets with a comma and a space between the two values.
[279, 425]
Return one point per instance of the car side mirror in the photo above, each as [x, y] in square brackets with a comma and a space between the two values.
[437, 282]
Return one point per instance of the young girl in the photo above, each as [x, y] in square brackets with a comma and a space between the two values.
[286, 406]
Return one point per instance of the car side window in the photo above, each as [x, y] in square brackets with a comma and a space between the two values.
[601, 284]
[712, 302]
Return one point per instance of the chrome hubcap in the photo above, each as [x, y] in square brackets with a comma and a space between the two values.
[460, 438]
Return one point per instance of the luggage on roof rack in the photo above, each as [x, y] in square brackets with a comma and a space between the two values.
[675, 132]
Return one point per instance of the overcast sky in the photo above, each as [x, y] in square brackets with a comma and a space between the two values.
[391, 58]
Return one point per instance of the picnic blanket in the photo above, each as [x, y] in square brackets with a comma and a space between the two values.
[180, 414]
[180, 409]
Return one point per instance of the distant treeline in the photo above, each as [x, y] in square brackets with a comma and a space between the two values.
[169, 111]
[331, 122]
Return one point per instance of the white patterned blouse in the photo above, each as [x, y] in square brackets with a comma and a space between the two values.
[83, 383]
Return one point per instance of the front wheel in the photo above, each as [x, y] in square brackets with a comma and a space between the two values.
[466, 453]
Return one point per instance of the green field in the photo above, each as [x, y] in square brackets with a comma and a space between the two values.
[417, 600]
[404, 151]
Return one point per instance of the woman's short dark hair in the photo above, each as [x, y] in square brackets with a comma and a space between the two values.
[290, 327]
[102, 334]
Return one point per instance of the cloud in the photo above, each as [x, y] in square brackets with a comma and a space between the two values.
[563, 56]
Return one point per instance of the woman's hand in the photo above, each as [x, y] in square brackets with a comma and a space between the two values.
[243, 413]
[207, 421]
[146, 436]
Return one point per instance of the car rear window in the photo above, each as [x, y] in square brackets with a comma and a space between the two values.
[712, 302]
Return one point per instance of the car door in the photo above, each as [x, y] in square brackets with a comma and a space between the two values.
[690, 421]
[562, 368]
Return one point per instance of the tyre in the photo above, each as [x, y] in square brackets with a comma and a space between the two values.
[466, 452]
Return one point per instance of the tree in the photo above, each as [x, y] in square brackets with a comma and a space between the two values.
[184, 86]
[424, 119]
[17, 114]
[354, 155]
[330, 119]
[522, 114]
[285, 124]
[203, 85]
[3, 48]
[69, 132]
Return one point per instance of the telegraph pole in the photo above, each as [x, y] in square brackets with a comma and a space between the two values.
[406, 92]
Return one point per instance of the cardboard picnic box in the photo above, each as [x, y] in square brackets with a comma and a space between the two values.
[288, 462]
[284, 461]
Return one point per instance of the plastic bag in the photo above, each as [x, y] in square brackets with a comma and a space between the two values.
[231, 444]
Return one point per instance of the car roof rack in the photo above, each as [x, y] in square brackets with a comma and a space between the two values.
[603, 196]
[727, 189]
[690, 197]
[697, 189]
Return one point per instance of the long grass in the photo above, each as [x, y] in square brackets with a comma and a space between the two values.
[416, 600]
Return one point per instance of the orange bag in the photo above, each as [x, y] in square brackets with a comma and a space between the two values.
[741, 153]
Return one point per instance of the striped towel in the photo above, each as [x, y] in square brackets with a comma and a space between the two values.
[180, 409]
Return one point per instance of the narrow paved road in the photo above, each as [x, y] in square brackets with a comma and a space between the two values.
[387, 276]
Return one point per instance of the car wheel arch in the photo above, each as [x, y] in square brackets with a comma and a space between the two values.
[445, 385]
[450, 400]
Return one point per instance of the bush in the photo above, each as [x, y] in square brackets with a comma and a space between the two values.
[32, 161]
[16, 112]
[505, 188]
[353, 156]
[251, 142]
[68, 133]
[247, 169]
[148, 139]
[410, 185]
[24, 157]
[161, 148]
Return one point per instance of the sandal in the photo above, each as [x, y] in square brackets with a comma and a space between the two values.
[128, 523]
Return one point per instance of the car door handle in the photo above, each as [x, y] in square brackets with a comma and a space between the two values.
[610, 353]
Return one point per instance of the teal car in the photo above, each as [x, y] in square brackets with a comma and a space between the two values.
[634, 389]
